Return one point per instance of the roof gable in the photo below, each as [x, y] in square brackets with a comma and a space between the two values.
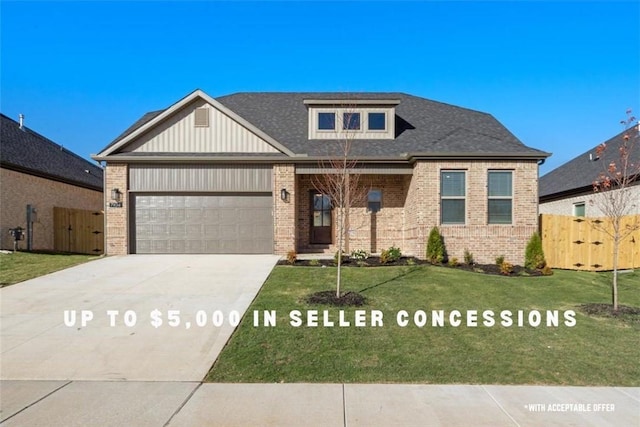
[27, 151]
[173, 131]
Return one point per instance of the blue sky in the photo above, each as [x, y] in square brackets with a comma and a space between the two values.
[559, 75]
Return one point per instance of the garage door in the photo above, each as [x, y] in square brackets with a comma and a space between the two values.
[209, 224]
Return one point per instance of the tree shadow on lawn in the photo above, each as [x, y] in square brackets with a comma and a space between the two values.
[348, 299]
[404, 273]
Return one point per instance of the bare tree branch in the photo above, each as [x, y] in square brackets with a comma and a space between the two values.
[336, 178]
[614, 195]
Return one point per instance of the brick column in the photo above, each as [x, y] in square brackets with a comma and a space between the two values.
[284, 212]
[117, 242]
[419, 209]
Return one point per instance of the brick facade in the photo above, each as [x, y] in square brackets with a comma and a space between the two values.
[284, 218]
[411, 207]
[20, 189]
[367, 231]
[483, 240]
[117, 233]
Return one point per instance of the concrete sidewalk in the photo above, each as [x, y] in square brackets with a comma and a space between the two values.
[81, 403]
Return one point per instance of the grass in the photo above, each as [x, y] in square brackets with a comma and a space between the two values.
[596, 351]
[21, 266]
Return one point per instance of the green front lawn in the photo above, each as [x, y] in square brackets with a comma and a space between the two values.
[21, 266]
[596, 351]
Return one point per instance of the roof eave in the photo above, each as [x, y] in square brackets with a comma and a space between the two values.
[538, 155]
[51, 177]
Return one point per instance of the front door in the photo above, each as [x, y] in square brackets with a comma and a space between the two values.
[320, 218]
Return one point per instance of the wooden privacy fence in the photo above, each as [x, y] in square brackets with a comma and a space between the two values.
[574, 243]
[78, 231]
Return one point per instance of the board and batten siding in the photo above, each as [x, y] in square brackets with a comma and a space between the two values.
[179, 134]
[200, 178]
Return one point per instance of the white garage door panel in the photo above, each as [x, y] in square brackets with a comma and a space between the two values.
[174, 223]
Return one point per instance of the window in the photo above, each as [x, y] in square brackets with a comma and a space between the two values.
[579, 209]
[351, 121]
[374, 201]
[500, 197]
[326, 121]
[452, 197]
[377, 121]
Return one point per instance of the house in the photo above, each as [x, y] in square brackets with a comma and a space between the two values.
[234, 174]
[568, 189]
[39, 174]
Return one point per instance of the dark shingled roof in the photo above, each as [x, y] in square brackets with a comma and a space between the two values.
[578, 174]
[29, 152]
[422, 126]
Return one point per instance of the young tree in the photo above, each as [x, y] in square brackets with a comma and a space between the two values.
[614, 195]
[337, 181]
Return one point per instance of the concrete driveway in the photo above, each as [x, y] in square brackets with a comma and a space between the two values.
[126, 302]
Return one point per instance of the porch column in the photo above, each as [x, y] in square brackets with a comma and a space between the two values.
[117, 215]
[284, 211]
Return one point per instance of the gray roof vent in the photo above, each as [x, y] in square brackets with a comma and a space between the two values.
[21, 117]
[202, 117]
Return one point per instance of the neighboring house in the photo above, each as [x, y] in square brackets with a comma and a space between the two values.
[38, 172]
[234, 175]
[568, 189]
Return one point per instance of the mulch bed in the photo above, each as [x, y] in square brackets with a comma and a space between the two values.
[606, 310]
[374, 261]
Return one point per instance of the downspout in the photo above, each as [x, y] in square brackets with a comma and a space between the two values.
[104, 207]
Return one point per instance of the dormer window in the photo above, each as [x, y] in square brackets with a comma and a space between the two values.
[326, 121]
[377, 121]
[351, 121]
[353, 118]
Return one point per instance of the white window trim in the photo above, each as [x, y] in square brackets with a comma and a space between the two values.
[513, 186]
[583, 204]
[335, 121]
[466, 191]
[386, 121]
[339, 112]
[342, 121]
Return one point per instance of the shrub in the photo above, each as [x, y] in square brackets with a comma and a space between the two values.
[435, 247]
[453, 262]
[533, 255]
[292, 256]
[345, 257]
[546, 270]
[360, 255]
[506, 268]
[411, 261]
[499, 260]
[314, 262]
[468, 257]
[390, 255]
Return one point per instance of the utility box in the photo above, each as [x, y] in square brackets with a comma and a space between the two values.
[17, 234]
